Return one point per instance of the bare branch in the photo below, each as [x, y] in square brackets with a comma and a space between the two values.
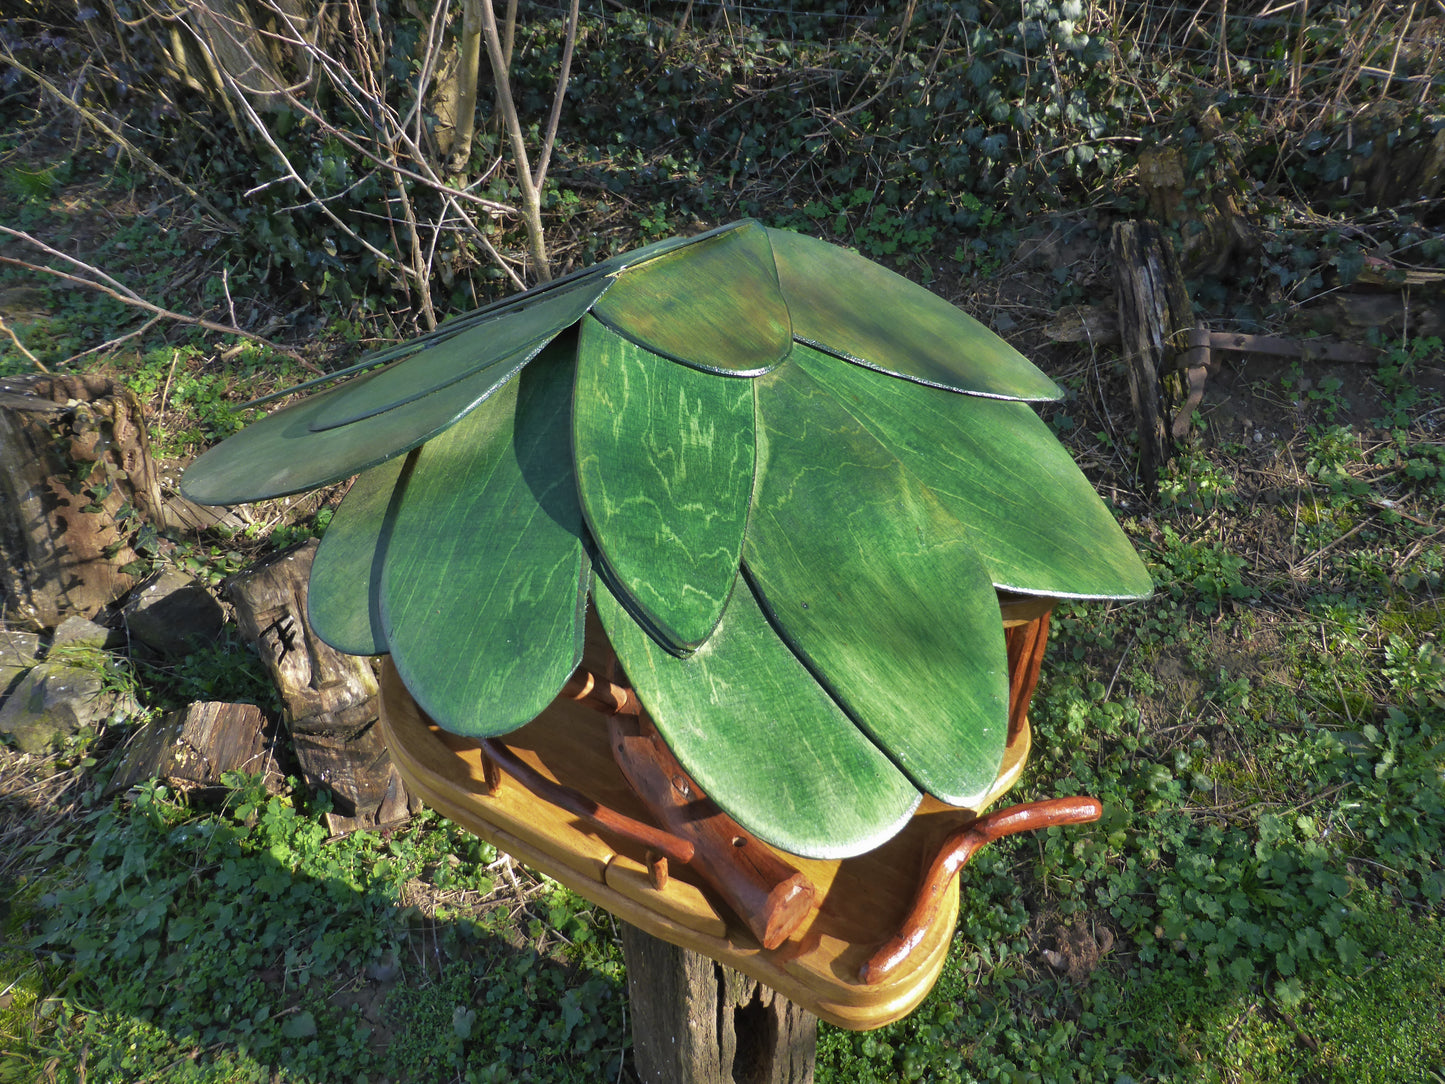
[531, 198]
[127, 296]
[21, 346]
[554, 118]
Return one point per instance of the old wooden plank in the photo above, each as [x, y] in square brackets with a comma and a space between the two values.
[329, 697]
[699, 1021]
[1154, 311]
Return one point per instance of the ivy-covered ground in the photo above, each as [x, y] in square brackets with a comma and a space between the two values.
[1263, 899]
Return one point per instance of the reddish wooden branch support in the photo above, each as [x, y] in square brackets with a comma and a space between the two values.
[770, 896]
[601, 695]
[664, 844]
[955, 853]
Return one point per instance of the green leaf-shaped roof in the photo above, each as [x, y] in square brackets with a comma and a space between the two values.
[713, 304]
[849, 306]
[746, 399]
[871, 582]
[794, 769]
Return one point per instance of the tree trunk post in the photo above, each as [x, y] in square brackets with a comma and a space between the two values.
[696, 1021]
[1154, 315]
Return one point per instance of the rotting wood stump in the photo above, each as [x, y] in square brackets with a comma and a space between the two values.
[329, 697]
[727, 979]
[76, 481]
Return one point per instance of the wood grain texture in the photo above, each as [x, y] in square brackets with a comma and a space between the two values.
[281, 454]
[862, 899]
[500, 346]
[761, 737]
[343, 602]
[876, 588]
[713, 304]
[768, 893]
[1033, 518]
[485, 578]
[854, 308]
[664, 457]
[701, 1022]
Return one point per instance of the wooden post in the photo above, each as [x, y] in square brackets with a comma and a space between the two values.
[696, 1021]
[330, 698]
[1154, 315]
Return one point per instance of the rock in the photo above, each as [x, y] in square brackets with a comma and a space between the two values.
[18, 653]
[55, 701]
[82, 632]
[173, 614]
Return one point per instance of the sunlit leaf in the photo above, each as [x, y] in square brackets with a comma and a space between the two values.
[499, 346]
[485, 579]
[876, 588]
[760, 736]
[282, 454]
[343, 600]
[664, 459]
[713, 304]
[851, 307]
[1032, 516]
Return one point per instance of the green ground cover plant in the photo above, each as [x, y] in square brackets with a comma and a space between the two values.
[1263, 898]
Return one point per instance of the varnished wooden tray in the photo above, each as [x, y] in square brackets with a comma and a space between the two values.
[860, 902]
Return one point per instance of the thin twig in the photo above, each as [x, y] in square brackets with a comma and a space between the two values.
[119, 139]
[125, 295]
[109, 343]
[568, 41]
[21, 346]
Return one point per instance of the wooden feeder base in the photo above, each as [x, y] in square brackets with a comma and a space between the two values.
[860, 903]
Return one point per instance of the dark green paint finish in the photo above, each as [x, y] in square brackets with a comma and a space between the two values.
[282, 454]
[485, 582]
[1032, 517]
[876, 588]
[500, 346]
[343, 600]
[853, 308]
[761, 737]
[664, 457]
[713, 304]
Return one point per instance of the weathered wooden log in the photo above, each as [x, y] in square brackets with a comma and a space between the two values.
[192, 749]
[697, 1021]
[329, 698]
[76, 481]
[1213, 231]
[769, 895]
[1154, 314]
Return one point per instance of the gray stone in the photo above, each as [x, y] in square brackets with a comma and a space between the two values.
[18, 651]
[82, 632]
[54, 701]
[173, 614]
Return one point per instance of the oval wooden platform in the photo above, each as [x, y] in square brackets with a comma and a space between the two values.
[860, 902]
